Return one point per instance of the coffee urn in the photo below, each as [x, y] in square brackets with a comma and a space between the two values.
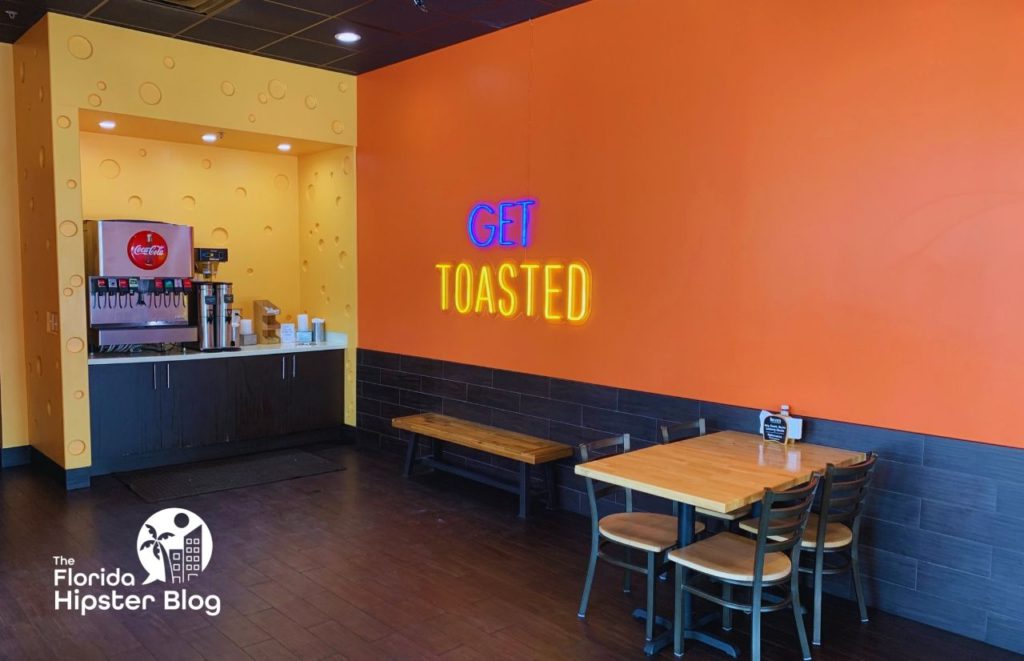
[226, 339]
[206, 315]
[212, 310]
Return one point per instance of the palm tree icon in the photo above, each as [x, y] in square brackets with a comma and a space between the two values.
[158, 548]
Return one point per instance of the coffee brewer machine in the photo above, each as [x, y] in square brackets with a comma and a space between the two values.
[140, 282]
[212, 309]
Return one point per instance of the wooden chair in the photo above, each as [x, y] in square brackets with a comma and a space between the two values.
[683, 431]
[654, 534]
[760, 565]
[835, 531]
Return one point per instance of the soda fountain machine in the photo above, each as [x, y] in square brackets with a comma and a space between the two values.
[139, 282]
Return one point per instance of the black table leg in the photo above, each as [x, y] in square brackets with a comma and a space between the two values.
[438, 449]
[687, 515]
[524, 489]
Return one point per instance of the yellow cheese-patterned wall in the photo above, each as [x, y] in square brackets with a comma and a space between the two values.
[13, 405]
[102, 67]
[42, 285]
[327, 190]
[244, 201]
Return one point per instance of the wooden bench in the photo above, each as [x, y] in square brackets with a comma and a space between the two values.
[527, 450]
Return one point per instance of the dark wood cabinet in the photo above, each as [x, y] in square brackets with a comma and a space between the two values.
[193, 406]
[288, 393]
[126, 416]
[146, 414]
[318, 390]
[260, 394]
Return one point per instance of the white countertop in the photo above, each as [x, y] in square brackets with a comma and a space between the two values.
[334, 341]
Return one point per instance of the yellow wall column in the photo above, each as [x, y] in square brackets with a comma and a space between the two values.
[13, 398]
[42, 286]
[327, 248]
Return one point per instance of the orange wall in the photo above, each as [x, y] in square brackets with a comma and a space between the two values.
[816, 203]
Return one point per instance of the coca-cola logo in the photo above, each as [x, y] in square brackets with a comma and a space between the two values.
[147, 250]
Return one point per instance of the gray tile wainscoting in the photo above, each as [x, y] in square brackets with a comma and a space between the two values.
[944, 532]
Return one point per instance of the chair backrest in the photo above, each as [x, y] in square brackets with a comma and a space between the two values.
[683, 430]
[596, 450]
[782, 522]
[844, 491]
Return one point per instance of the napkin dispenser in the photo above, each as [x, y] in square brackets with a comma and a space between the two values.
[781, 424]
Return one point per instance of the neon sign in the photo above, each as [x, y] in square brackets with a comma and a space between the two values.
[504, 220]
[558, 291]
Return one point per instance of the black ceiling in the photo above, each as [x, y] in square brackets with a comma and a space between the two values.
[300, 30]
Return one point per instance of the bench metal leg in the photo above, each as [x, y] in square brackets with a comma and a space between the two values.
[437, 448]
[549, 479]
[524, 489]
[410, 455]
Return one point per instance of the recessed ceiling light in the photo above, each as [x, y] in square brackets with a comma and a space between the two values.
[108, 124]
[347, 37]
[210, 137]
[284, 146]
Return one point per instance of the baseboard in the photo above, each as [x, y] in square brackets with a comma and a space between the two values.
[73, 478]
[104, 466]
[19, 456]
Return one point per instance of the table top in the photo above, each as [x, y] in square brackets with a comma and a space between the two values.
[720, 472]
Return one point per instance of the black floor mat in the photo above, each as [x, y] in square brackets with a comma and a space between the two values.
[159, 484]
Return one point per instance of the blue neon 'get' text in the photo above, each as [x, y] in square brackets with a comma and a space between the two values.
[483, 233]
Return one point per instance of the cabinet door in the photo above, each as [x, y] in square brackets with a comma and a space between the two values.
[195, 407]
[261, 395]
[318, 390]
[125, 407]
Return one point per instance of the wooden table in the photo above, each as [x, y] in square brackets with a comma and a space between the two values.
[720, 472]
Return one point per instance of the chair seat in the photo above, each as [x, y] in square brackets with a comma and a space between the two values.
[731, 557]
[643, 530]
[727, 516]
[837, 535]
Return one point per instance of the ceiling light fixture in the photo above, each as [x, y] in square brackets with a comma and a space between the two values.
[284, 146]
[212, 137]
[347, 37]
[108, 124]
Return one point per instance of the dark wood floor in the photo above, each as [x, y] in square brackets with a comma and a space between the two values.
[362, 564]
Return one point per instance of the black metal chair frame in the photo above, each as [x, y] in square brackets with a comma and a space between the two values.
[655, 560]
[783, 518]
[682, 431]
[844, 492]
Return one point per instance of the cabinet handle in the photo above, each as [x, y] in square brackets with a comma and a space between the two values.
[293, 366]
[282, 368]
[154, 376]
[168, 376]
